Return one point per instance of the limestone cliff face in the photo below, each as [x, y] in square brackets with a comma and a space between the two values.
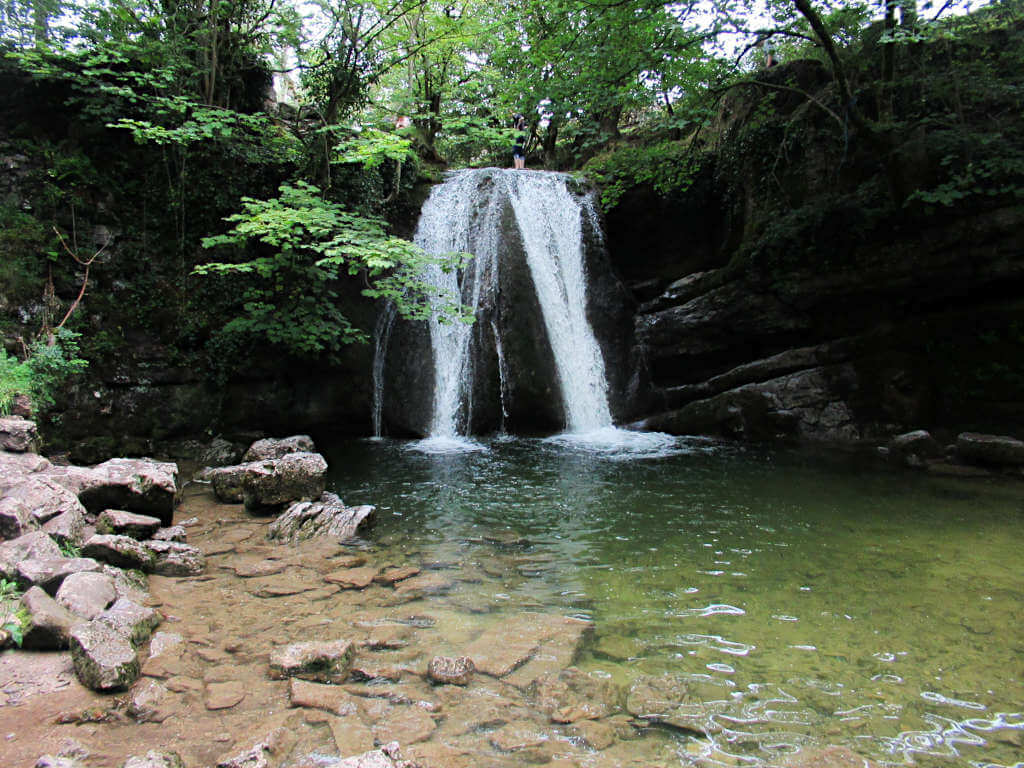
[822, 303]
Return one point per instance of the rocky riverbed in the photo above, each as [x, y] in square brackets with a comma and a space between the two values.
[293, 651]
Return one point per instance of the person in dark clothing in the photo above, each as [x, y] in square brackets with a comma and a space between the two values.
[519, 150]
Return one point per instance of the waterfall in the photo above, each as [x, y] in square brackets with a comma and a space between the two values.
[550, 219]
[526, 285]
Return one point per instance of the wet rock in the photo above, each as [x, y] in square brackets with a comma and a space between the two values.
[221, 453]
[104, 660]
[1001, 450]
[226, 483]
[407, 725]
[87, 594]
[508, 645]
[387, 756]
[36, 545]
[448, 670]
[328, 516]
[150, 702]
[391, 576]
[275, 448]
[420, 586]
[173, 533]
[258, 756]
[325, 662]
[224, 695]
[137, 485]
[50, 761]
[131, 620]
[33, 502]
[49, 623]
[571, 695]
[50, 573]
[594, 734]
[369, 670]
[685, 702]
[67, 528]
[283, 586]
[388, 637]
[827, 757]
[121, 551]
[155, 759]
[918, 444]
[18, 435]
[329, 698]
[259, 569]
[121, 523]
[352, 578]
[173, 558]
[518, 736]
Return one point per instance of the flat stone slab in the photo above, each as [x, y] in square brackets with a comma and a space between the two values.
[406, 725]
[425, 584]
[275, 448]
[508, 645]
[224, 695]
[123, 523]
[976, 448]
[29, 504]
[352, 578]
[687, 702]
[330, 698]
[325, 662]
[390, 576]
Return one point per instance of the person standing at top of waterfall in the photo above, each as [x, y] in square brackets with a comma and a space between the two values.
[519, 149]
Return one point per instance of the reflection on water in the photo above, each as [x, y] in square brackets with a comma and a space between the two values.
[811, 603]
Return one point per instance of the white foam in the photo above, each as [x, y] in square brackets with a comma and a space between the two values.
[443, 444]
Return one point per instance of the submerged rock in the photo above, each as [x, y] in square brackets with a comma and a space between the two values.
[448, 670]
[571, 695]
[275, 448]
[689, 703]
[325, 662]
[326, 517]
[104, 659]
[155, 759]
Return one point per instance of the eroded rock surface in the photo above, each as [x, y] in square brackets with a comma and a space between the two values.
[275, 448]
[326, 662]
[328, 516]
[104, 659]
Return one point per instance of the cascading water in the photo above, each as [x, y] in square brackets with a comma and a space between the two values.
[526, 285]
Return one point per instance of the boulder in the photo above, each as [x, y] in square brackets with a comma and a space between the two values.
[221, 453]
[121, 551]
[137, 485]
[324, 662]
[104, 659]
[275, 448]
[130, 620]
[918, 443]
[330, 698]
[975, 448]
[50, 573]
[149, 702]
[174, 558]
[121, 523]
[49, 623]
[155, 759]
[273, 482]
[36, 545]
[326, 517]
[448, 670]
[33, 502]
[18, 435]
[226, 483]
[130, 584]
[15, 467]
[387, 756]
[58, 761]
[67, 528]
[87, 594]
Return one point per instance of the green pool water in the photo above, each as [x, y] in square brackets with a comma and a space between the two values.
[824, 600]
